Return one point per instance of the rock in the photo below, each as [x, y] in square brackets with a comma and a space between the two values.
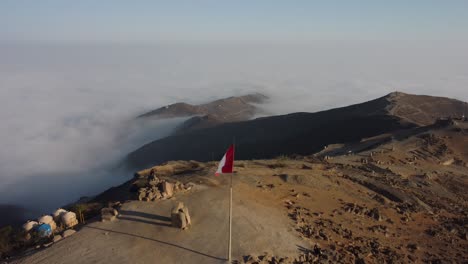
[151, 195]
[108, 214]
[178, 186]
[57, 238]
[375, 213]
[158, 196]
[48, 244]
[168, 188]
[68, 233]
[412, 247]
[317, 250]
[68, 219]
[153, 180]
[323, 235]
[188, 186]
[141, 194]
[379, 198]
[180, 216]
[187, 215]
[249, 259]
[448, 162]
[182, 220]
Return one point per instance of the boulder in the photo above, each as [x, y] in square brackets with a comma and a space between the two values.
[375, 213]
[158, 196]
[108, 214]
[168, 188]
[182, 220]
[153, 180]
[178, 186]
[180, 217]
[58, 214]
[141, 194]
[448, 162]
[47, 219]
[69, 219]
[187, 215]
[57, 238]
[175, 212]
[28, 226]
[151, 195]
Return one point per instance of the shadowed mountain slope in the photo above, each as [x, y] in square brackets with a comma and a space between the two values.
[299, 133]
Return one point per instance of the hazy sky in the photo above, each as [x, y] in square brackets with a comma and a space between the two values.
[189, 21]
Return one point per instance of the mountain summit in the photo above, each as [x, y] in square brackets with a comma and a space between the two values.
[423, 109]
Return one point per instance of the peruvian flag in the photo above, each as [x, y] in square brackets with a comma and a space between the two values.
[227, 162]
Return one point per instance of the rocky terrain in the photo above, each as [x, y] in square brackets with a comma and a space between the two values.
[300, 133]
[400, 200]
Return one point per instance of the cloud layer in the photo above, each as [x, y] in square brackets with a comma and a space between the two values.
[66, 111]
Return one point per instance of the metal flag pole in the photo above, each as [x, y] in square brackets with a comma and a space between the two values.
[230, 204]
[230, 220]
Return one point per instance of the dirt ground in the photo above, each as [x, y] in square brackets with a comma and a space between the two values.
[400, 201]
[143, 232]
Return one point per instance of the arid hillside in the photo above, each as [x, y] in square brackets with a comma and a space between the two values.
[401, 200]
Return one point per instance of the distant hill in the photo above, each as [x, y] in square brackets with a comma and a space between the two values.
[232, 109]
[420, 110]
[299, 133]
[423, 109]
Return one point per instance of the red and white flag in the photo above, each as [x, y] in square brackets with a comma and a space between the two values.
[227, 162]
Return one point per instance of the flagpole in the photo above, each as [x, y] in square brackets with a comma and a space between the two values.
[230, 220]
[230, 206]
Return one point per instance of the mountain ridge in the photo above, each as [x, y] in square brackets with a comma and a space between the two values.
[230, 109]
[220, 108]
[299, 133]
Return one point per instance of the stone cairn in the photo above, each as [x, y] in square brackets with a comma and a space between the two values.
[180, 216]
[159, 189]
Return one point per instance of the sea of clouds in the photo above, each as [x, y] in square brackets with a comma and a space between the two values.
[68, 111]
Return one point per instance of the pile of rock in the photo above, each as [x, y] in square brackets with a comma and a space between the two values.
[180, 216]
[159, 189]
[31, 228]
[267, 259]
[315, 255]
[46, 230]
